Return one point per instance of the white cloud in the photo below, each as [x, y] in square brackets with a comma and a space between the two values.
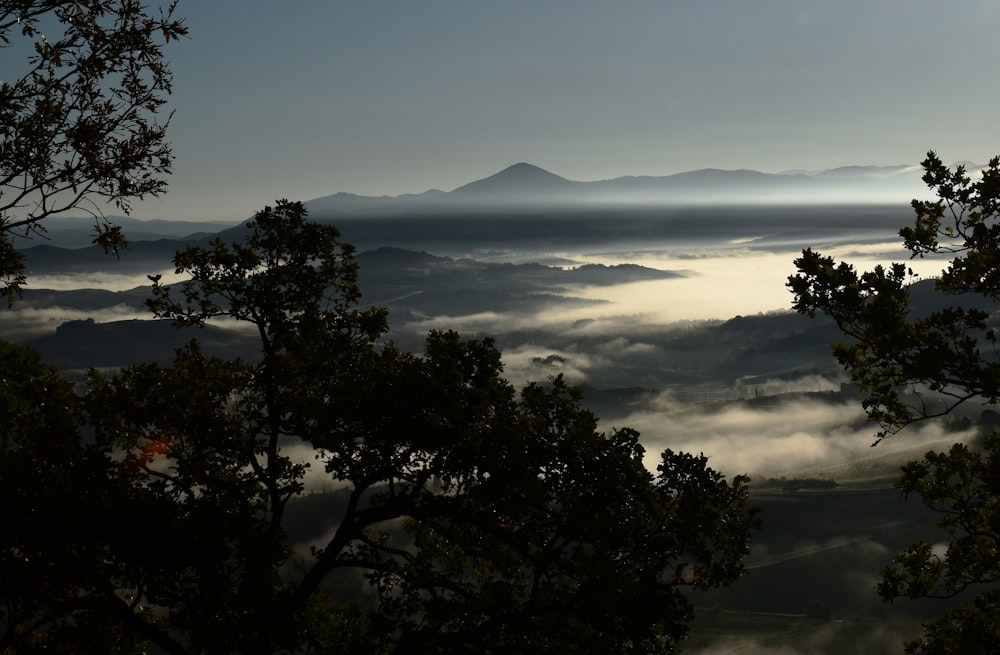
[801, 437]
[99, 280]
[531, 362]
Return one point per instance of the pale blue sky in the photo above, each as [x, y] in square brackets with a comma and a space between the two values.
[305, 98]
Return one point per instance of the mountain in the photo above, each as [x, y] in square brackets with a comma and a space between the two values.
[514, 182]
[351, 204]
[524, 186]
[524, 189]
[78, 232]
[47, 259]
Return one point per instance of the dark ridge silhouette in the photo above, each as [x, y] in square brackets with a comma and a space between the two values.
[78, 232]
[517, 179]
[398, 257]
[81, 344]
[526, 186]
[140, 257]
[348, 204]
[524, 189]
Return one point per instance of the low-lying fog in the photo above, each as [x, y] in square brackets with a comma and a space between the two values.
[651, 335]
[718, 282]
[708, 361]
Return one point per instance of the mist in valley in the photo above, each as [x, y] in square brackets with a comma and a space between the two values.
[679, 328]
[607, 250]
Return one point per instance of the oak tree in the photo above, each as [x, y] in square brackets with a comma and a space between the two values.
[913, 364]
[80, 124]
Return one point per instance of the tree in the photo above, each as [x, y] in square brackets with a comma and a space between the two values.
[914, 365]
[450, 512]
[81, 125]
[52, 486]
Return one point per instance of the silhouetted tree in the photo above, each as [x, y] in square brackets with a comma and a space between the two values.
[81, 123]
[464, 515]
[912, 367]
[54, 559]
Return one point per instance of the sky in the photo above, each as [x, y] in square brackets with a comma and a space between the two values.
[307, 98]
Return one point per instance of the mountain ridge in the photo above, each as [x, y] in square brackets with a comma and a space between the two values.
[520, 177]
[528, 186]
[525, 188]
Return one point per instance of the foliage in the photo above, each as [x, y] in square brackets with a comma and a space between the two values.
[80, 125]
[914, 365]
[963, 485]
[53, 486]
[943, 358]
[457, 514]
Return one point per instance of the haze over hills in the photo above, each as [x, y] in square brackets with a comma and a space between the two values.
[78, 232]
[582, 280]
[527, 191]
[525, 185]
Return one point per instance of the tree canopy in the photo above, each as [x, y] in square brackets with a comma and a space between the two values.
[332, 493]
[81, 126]
[912, 365]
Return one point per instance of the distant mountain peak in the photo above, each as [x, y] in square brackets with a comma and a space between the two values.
[525, 186]
[524, 168]
[520, 177]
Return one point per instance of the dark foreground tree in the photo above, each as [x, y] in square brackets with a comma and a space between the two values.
[52, 488]
[916, 365]
[80, 127]
[334, 494]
